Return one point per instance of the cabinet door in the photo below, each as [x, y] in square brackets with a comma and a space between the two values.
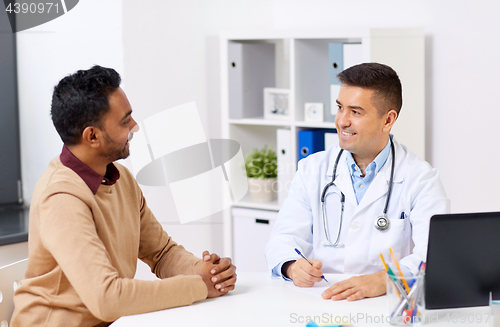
[251, 229]
[10, 167]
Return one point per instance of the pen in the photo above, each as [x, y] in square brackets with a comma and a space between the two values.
[383, 262]
[415, 288]
[298, 252]
[391, 274]
[399, 269]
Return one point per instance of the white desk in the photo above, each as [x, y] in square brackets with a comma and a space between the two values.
[259, 300]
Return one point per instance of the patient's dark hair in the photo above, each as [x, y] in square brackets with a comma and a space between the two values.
[380, 78]
[81, 100]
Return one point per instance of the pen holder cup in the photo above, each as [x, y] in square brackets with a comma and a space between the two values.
[406, 308]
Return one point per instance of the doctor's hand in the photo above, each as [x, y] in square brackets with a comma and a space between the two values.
[357, 287]
[303, 274]
[219, 274]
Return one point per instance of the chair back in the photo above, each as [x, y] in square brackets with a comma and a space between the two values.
[10, 276]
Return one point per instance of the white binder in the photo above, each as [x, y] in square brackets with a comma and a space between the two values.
[235, 78]
[251, 69]
[334, 94]
[331, 139]
[286, 164]
[353, 54]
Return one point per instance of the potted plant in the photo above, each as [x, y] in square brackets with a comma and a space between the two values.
[261, 167]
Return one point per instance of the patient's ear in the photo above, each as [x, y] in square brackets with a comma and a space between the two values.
[92, 136]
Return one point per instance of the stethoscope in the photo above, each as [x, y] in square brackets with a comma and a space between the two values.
[382, 223]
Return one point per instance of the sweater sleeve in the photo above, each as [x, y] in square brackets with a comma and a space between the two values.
[157, 249]
[165, 257]
[68, 232]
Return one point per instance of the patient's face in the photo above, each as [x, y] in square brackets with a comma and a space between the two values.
[118, 123]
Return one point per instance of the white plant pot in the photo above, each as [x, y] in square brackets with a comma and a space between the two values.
[262, 190]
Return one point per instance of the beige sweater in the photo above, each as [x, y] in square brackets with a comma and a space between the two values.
[83, 251]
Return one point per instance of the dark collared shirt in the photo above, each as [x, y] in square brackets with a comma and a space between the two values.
[89, 176]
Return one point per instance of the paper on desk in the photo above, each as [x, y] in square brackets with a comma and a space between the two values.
[316, 290]
[320, 287]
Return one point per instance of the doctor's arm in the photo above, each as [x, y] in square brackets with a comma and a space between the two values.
[358, 287]
[293, 229]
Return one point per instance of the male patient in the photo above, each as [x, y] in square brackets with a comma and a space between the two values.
[89, 222]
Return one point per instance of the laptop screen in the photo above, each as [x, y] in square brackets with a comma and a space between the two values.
[463, 260]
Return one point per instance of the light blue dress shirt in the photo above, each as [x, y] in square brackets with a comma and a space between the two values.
[361, 184]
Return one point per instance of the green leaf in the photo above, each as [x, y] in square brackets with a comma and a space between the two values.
[261, 163]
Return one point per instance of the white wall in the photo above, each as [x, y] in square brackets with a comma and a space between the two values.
[462, 80]
[172, 57]
[77, 40]
[168, 54]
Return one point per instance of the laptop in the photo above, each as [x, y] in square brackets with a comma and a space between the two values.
[463, 260]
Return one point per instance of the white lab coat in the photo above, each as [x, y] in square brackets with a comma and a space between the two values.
[417, 192]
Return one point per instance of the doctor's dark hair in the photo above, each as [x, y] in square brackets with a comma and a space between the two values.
[81, 100]
[380, 78]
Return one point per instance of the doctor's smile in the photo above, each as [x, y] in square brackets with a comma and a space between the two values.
[348, 134]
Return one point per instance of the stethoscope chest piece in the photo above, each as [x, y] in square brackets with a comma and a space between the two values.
[382, 223]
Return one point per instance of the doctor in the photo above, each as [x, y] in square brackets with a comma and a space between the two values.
[375, 192]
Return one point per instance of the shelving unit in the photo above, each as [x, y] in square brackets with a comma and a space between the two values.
[300, 63]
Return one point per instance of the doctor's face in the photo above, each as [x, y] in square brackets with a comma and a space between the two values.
[361, 130]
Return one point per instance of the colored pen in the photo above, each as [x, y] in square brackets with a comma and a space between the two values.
[396, 262]
[414, 289]
[298, 252]
[399, 286]
[393, 280]
[383, 262]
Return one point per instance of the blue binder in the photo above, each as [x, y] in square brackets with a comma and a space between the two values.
[310, 142]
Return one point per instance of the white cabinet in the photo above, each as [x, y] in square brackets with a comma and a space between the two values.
[299, 62]
[251, 230]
